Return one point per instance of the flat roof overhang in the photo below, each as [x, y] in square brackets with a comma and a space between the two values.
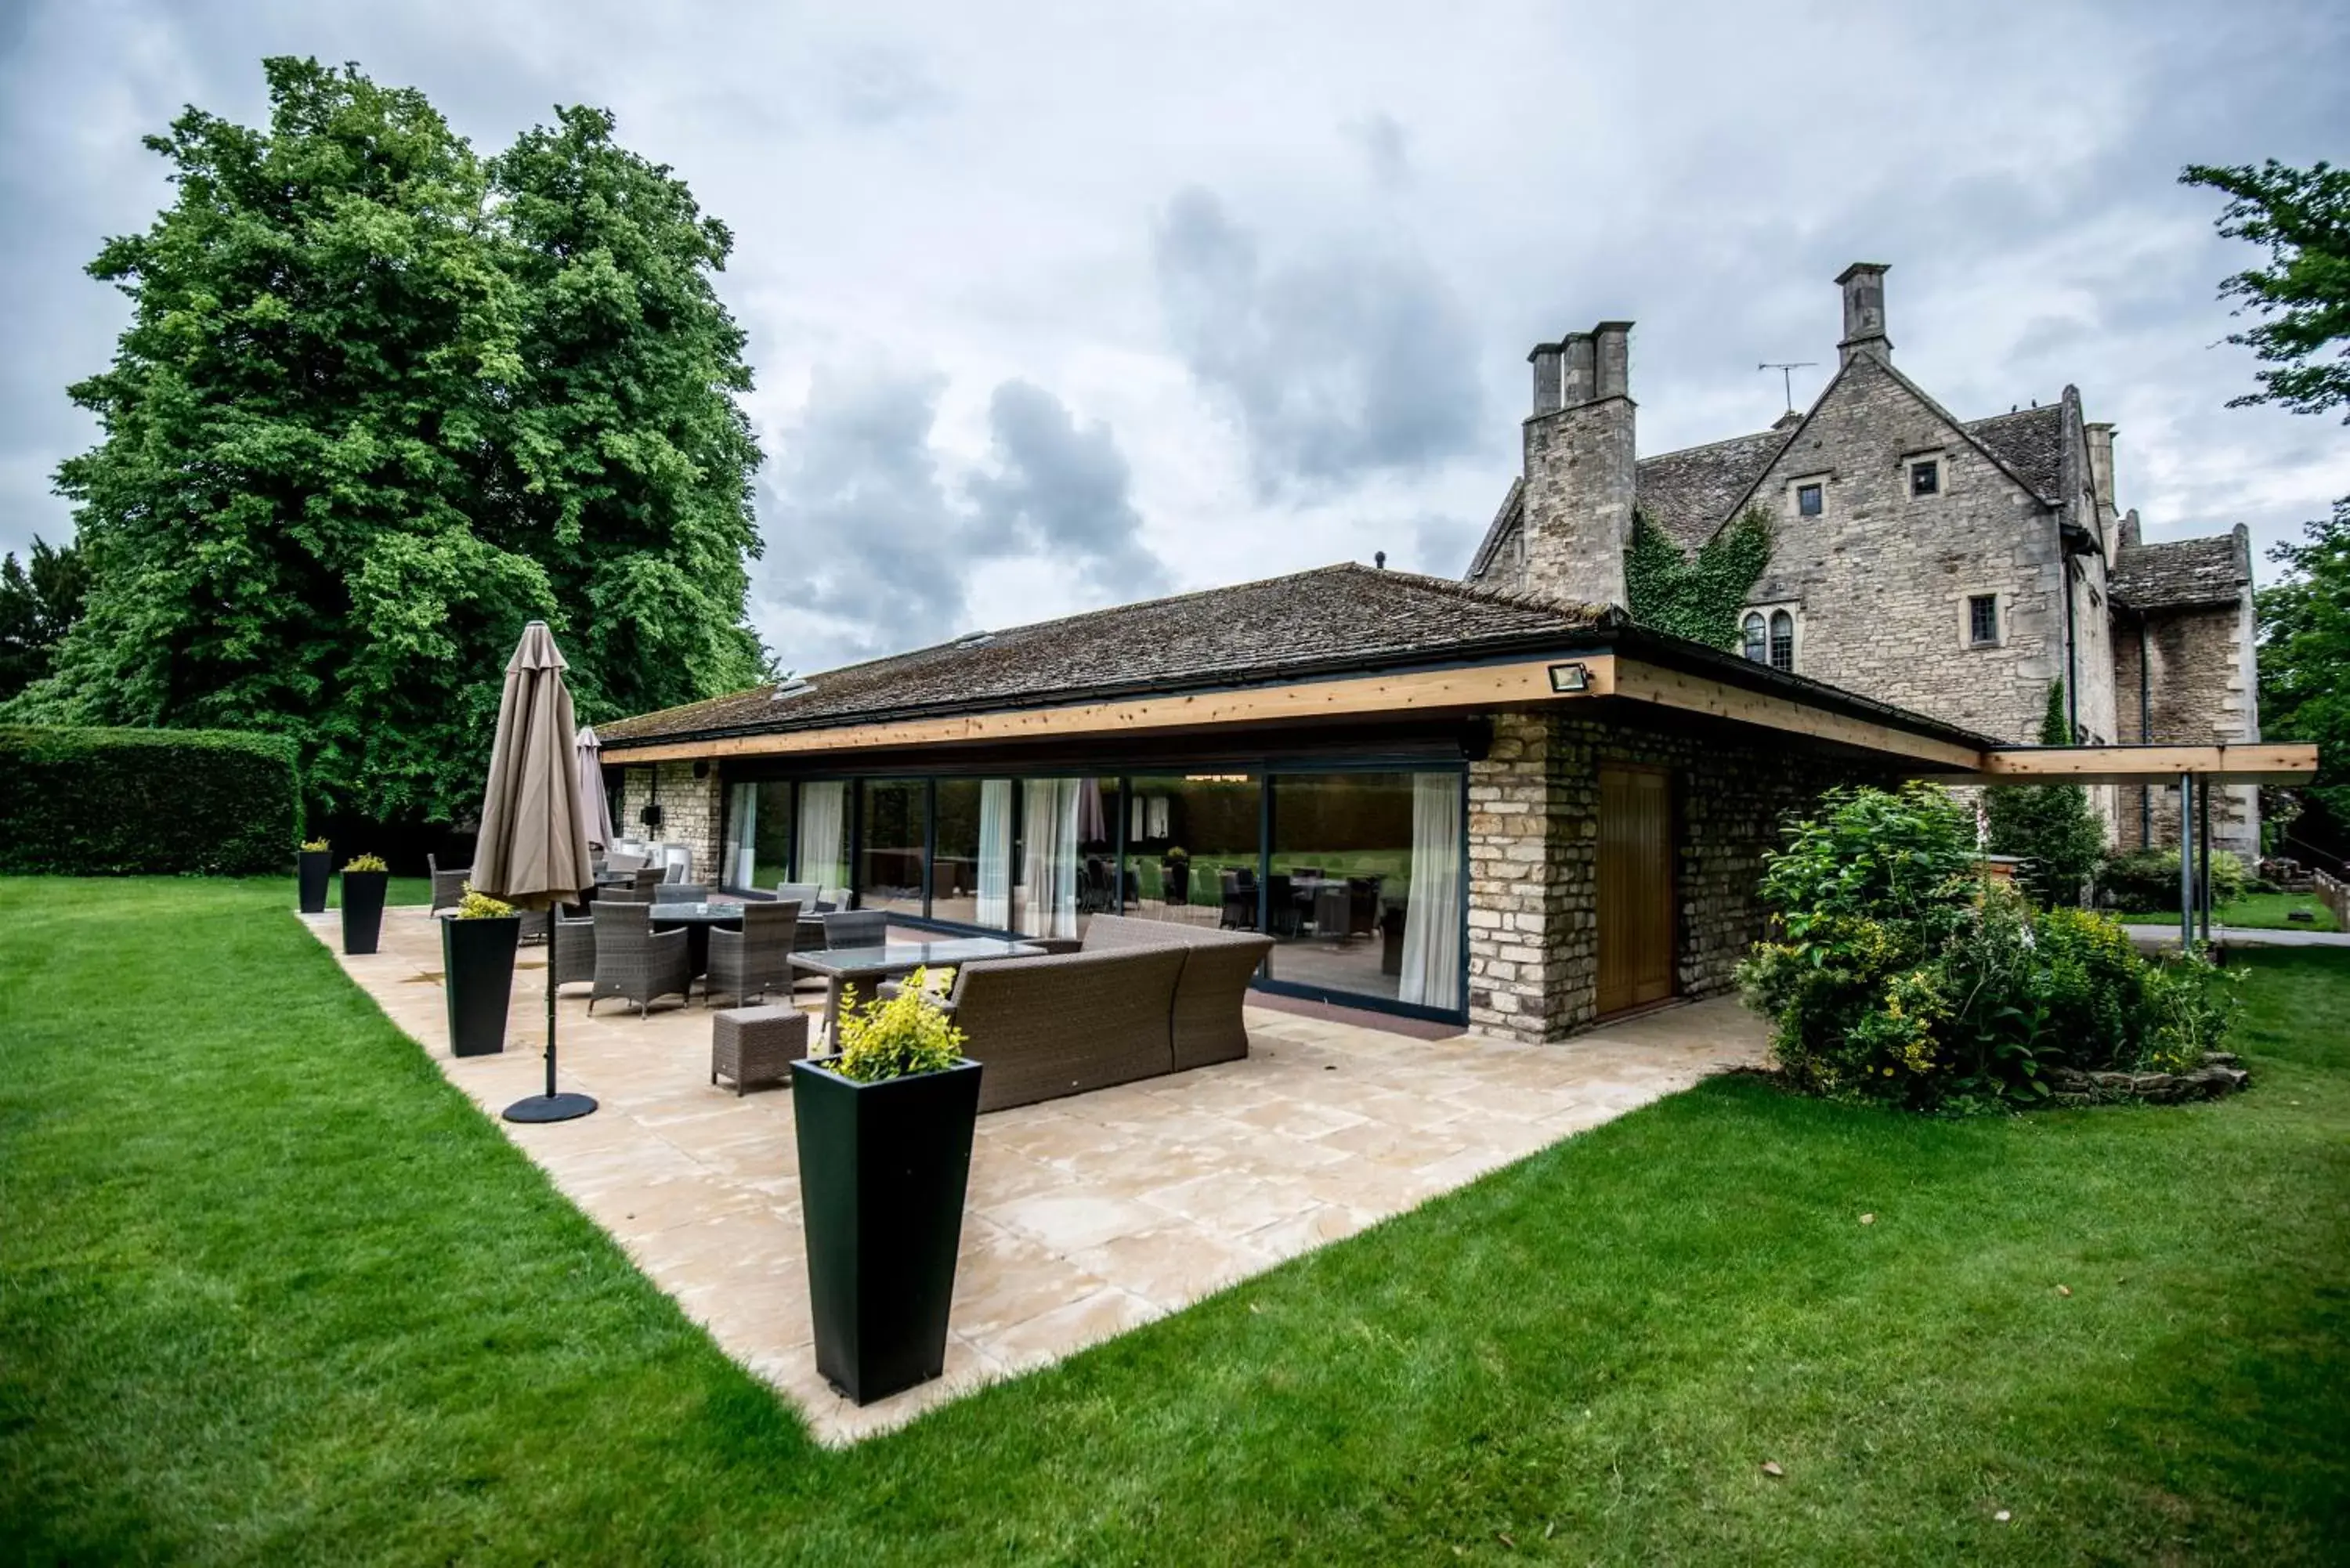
[2260, 763]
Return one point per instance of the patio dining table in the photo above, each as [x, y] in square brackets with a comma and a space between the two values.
[868, 967]
[698, 920]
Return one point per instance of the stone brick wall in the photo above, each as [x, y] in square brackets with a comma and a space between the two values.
[1533, 834]
[690, 810]
[2201, 667]
[1882, 580]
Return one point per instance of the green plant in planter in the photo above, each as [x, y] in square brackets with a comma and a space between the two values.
[476, 906]
[898, 1036]
[1176, 854]
[366, 863]
[314, 847]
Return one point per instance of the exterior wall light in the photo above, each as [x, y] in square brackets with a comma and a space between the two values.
[1566, 679]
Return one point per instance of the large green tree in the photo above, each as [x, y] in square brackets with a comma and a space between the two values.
[378, 404]
[2303, 217]
[38, 600]
[2303, 296]
[2305, 653]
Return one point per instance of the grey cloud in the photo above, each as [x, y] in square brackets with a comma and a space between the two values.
[863, 533]
[1061, 491]
[1337, 366]
[1386, 149]
[878, 85]
[859, 528]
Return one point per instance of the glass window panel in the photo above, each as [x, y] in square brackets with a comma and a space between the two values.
[889, 850]
[1807, 500]
[824, 838]
[1063, 847]
[956, 842]
[1211, 819]
[1352, 855]
[1755, 641]
[1783, 641]
[758, 849]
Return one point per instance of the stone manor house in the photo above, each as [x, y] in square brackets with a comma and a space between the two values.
[1952, 568]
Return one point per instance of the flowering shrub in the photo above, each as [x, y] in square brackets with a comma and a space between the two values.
[1903, 976]
[898, 1036]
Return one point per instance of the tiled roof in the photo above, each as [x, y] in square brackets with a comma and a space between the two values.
[1345, 615]
[2031, 443]
[2205, 571]
[1689, 493]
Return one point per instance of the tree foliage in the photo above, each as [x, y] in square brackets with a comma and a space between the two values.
[38, 600]
[2305, 622]
[2303, 217]
[380, 403]
[1696, 597]
[2050, 826]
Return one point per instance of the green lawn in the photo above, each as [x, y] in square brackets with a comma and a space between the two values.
[271, 1291]
[2255, 912]
[396, 890]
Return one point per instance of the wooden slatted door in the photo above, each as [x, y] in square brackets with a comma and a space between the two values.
[1636, 887]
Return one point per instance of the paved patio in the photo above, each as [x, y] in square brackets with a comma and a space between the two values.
[1088, 1216]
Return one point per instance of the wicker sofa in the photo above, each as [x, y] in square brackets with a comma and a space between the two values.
[1137, 1000]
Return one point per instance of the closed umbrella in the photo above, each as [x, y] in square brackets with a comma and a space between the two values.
[533, 848]
[595, 806]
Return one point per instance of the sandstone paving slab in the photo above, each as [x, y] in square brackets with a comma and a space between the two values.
[1087, 1217]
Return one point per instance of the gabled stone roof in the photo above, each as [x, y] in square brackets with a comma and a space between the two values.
[2031, 444]
[1689, 494]
[2207, 571]
[1348, 616]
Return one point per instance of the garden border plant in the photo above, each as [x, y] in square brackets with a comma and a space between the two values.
[1903, 975]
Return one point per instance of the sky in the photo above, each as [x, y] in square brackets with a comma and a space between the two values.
[1057, 306]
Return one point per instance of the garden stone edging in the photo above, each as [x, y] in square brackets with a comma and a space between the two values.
[2219, 1074]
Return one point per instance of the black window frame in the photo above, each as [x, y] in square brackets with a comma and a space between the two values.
[1812, 500]
[1925, 478]
[1783, 649]
[1983, 608]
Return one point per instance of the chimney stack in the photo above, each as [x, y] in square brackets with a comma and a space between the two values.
[1864, 312]
[1544, 359]
[2101, 464]
[1579, 496]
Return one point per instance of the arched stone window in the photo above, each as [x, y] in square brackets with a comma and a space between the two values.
[1754, 634]
[1783, 641]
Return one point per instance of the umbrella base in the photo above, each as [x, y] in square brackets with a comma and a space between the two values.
[550, 1108]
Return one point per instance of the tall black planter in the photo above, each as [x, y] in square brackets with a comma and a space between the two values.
[313, 872]
[477, 961]
[883, 1168]
[362, 910]
[1175, 876]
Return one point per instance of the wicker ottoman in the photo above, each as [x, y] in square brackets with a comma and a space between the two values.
[756, 1044]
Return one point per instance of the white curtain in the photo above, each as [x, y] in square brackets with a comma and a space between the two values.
[824, 832]
[1431, 920]
[743, 835]
[995, 854]
[1049, 869]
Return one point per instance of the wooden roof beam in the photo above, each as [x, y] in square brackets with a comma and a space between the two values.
[2271, 764]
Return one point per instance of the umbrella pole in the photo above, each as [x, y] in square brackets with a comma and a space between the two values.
[550, 1107]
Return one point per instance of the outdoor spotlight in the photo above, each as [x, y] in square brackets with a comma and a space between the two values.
[1570, 678]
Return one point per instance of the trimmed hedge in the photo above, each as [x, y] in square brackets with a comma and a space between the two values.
[100, 803]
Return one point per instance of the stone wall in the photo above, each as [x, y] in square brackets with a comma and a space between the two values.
[2201, 667]
[1881, 579]
[690, 810]
[1534, 836]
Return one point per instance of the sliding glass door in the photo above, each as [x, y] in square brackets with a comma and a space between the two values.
[1362, 884]
[758, 849]
[893, 829]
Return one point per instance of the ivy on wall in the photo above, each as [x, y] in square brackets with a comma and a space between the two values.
[1696, 597]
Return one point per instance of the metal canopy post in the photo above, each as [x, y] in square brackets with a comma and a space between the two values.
[2186, 862]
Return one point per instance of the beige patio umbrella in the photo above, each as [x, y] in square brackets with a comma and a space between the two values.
[533, 848]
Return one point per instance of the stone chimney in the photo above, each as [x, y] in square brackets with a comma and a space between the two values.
[1578, 475]
[2101, 465]
[2126, 534]
[1544, 359]
[1864, 312]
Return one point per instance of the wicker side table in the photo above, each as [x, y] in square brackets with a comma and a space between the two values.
[756, 1044]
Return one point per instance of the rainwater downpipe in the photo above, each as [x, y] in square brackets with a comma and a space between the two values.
[2072, 681]
[2145, 737]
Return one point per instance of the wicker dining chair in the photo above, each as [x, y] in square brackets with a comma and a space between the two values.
[831, 900]
[803, 894]
[574, 949]
[856, 929]
[681, 893]
[636, 963]
[448, 887]
[756, 959]
[649, 877]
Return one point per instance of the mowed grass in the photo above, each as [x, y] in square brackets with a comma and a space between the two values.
[2256, 911]
[270, 1291]
[398, 892]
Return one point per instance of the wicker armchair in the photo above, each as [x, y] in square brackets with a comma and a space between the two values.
[633, 961]
[756, 959]
[856, 929]
[574, 949]
[448, 887]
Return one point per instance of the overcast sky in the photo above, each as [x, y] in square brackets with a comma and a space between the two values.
[1056, 306]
